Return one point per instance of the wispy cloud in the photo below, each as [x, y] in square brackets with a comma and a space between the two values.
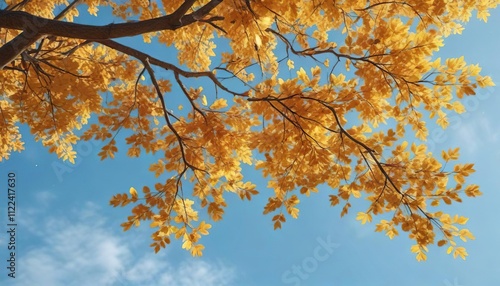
[476, 134]
[80, 249]
[156, 271]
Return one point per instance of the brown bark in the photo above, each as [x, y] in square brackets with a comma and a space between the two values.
[33, 27]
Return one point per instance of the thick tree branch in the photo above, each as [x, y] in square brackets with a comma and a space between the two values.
[29, 36]
[21, 20]
[183, 9]
[36, 26]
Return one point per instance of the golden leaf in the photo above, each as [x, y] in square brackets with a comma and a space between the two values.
[133, 192]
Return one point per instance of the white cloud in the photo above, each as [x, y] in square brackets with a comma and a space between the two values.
[72, 253]
[44, 197]
[476, 134]
[203, 273]
[155, 270]
[80, 249]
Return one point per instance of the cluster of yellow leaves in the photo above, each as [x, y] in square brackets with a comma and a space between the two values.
[214, 153]
[302, 126]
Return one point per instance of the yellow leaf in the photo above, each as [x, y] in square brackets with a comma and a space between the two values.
[93, 10]
[219, 104]
[415, 248]
[460, 251]
[392, 233]
[485, 81]
[458, 107]
[187, 244]
[133, 192]
[472, 191]
[203, 228]
[464, 234]
[459, 178]
[158, 168]
[364, 217]
[294, 212]
[450, 249]
[204, 100]
[302, 75]
[290, 64]
[421, 256]
[461, 220]
[326, 63]
[258, 41]
[197, 250]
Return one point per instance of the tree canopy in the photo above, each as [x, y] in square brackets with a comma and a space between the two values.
[328, 96]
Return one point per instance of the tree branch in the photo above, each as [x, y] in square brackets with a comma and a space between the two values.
[182, 10]
[36, 26]
[168, 66]
[29, 36]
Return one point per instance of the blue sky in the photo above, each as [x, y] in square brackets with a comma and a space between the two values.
[67, 233]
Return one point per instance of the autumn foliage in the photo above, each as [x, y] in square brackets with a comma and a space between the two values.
[316, 95]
